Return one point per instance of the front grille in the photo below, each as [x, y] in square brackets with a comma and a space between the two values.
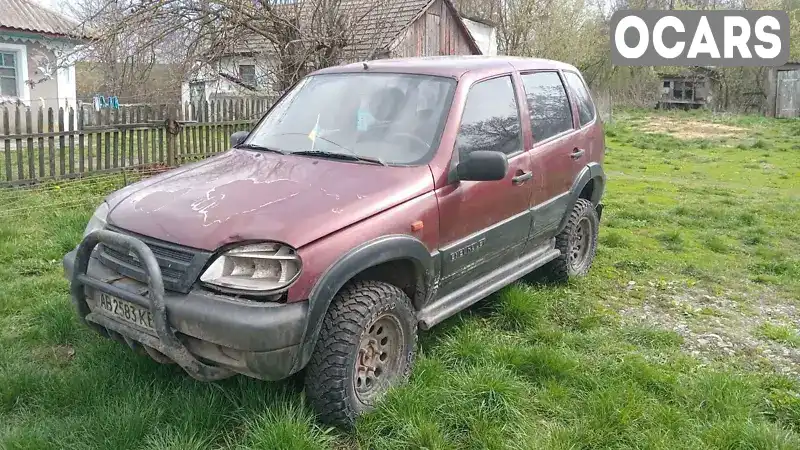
[180, 266]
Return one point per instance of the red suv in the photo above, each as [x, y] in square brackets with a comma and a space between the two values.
[371, 200]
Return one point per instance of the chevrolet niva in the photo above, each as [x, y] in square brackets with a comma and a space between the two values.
[372, 199]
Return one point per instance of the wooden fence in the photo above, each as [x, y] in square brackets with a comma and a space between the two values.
[39, 144]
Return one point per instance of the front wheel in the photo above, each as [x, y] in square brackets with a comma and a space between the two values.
[366, 346]
[577, 243]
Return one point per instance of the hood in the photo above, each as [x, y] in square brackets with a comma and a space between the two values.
[245, 195]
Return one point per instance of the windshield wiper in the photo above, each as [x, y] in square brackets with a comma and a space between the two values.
[260, 148]
[343, 156]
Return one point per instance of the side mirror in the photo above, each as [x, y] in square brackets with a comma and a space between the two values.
[483, 165]
[239, 137]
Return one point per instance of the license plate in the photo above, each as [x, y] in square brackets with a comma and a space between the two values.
[126, 311]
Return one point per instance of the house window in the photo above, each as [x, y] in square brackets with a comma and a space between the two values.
[8, 75]
[197, 92]
[381, 53]
[677, 90]
[688, 90]
[247, 73]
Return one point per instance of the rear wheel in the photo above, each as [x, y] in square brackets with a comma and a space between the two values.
[366, 346]
[577, 243]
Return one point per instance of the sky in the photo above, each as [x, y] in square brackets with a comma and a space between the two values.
[54, 5]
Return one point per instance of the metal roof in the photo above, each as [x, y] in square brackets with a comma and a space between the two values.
[23, 15]
[376, 24]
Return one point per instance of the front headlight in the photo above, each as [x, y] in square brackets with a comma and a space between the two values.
[98, 220]
[254, 269]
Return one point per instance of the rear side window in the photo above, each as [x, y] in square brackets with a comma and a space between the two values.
[585, 105]
[548, 104]
[491, 119]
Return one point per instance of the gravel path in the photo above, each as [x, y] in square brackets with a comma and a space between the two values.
[724, 327]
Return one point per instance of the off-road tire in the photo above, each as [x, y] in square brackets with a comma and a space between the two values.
[331, 374]
[563, 267]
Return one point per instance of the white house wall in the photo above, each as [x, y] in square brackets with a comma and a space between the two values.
[43, 82]
[485, 36]
[43, 70]
[65, 78]
[218, 86]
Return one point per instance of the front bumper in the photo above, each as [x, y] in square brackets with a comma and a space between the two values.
[210, 336]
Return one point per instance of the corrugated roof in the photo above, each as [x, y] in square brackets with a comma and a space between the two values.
[375, 24]
[24, 15]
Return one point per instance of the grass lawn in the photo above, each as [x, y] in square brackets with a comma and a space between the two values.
[685, 334]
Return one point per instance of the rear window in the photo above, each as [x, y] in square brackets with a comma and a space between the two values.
[582, 97]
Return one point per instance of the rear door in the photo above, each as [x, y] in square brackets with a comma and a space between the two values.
[484, 224]
[589, 138]
[552, 158]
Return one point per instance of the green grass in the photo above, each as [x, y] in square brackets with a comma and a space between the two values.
[533, 366]
[780, 333]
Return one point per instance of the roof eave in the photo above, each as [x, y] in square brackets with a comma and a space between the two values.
[76, 38]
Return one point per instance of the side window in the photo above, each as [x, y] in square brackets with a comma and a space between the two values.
[491, 119]
[585, 106]
[548, 103]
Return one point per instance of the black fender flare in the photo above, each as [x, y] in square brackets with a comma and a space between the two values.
[592, 171]
[366, 255]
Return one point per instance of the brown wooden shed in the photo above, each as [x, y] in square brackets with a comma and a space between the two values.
[433, 29]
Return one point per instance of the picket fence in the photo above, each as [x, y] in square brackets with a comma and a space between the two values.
[52, 144]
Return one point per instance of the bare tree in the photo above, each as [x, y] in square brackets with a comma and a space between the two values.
[116, 63]
[292, 39]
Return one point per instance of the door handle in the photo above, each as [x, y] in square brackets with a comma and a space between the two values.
[519, 179]
[577, 153]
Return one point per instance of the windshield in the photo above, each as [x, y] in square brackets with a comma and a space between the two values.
[391, 118]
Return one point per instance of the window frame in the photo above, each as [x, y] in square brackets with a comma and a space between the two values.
[514, 92]
[569, 100]
[577, 107]
[14, 70]
[21, 72]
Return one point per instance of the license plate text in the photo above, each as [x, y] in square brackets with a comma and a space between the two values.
[127, 311]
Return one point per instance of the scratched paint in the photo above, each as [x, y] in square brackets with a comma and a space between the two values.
[216, 210]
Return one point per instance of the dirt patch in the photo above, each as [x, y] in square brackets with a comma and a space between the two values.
[690, 129]
[720, 327]
[59, 355]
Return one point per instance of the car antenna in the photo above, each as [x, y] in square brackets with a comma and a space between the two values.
[366, 67]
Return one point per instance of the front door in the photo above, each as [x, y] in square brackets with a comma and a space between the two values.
[484, 224]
